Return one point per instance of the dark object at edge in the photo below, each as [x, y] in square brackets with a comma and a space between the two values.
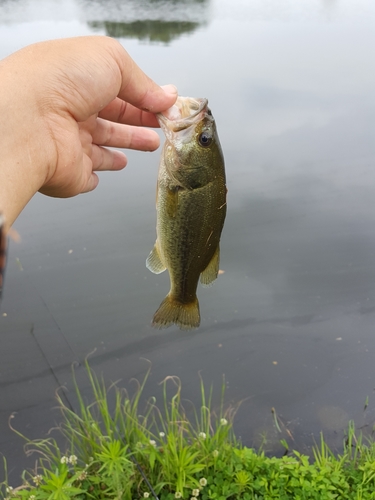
[2, 254]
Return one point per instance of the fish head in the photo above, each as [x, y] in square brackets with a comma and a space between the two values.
[192, 152]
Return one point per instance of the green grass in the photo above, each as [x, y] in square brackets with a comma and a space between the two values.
[116, 451]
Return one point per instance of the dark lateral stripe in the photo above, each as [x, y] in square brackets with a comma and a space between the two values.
[2, 254]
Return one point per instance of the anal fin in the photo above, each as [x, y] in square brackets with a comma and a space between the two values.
[210, 273]
[154, 262]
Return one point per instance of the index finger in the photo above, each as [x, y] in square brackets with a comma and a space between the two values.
[122, 112]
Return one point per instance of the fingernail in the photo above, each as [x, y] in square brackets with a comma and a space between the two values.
[170, 89]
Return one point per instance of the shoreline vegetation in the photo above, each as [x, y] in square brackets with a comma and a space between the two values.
[115, 452]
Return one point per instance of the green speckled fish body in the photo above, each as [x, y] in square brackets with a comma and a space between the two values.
[191, 209]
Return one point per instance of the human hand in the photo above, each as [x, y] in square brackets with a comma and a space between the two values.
[61, 103]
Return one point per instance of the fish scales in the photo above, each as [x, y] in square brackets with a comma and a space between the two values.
[191, 209]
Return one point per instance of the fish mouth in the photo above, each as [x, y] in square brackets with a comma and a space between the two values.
[185, 112]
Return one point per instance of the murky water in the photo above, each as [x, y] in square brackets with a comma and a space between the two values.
[291, 322]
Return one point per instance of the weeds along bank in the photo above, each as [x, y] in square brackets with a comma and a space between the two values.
[123, 454]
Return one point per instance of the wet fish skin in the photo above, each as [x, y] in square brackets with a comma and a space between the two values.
[191, 209]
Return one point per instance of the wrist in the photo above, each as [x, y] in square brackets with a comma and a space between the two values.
[22, 167]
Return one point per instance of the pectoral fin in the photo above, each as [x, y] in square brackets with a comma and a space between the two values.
[154, 262]
[210, 273]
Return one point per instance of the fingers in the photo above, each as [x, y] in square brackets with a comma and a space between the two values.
[123, 112]
[108, 133]
[103, 159]
[138, 89]
[92, 183]
[94, 159]
[89, 74]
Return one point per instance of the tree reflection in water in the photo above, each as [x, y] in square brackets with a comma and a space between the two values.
[152, 31]
[147, 20]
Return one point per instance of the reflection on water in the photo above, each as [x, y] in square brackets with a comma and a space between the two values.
[130, 10]
[147, 20]
[151, 31]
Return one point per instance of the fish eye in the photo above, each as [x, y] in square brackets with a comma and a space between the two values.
[205, 139]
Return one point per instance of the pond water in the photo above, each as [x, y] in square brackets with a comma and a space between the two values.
[291, 321]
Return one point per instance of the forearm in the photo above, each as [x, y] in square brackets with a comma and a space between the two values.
[23, 159]
[20, 178]
[18, 182]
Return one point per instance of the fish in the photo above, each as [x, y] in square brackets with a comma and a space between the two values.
[191, 208]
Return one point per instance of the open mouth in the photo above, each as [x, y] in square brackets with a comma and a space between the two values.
[184, 113]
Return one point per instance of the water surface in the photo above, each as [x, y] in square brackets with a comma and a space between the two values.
[291, 322]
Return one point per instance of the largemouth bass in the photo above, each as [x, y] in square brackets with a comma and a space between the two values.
[191, 208]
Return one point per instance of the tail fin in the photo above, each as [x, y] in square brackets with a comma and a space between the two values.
[186, 316]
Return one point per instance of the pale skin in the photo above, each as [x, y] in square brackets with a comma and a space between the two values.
[62, 104]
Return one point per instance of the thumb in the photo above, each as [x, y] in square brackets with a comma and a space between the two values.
[139, 90]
